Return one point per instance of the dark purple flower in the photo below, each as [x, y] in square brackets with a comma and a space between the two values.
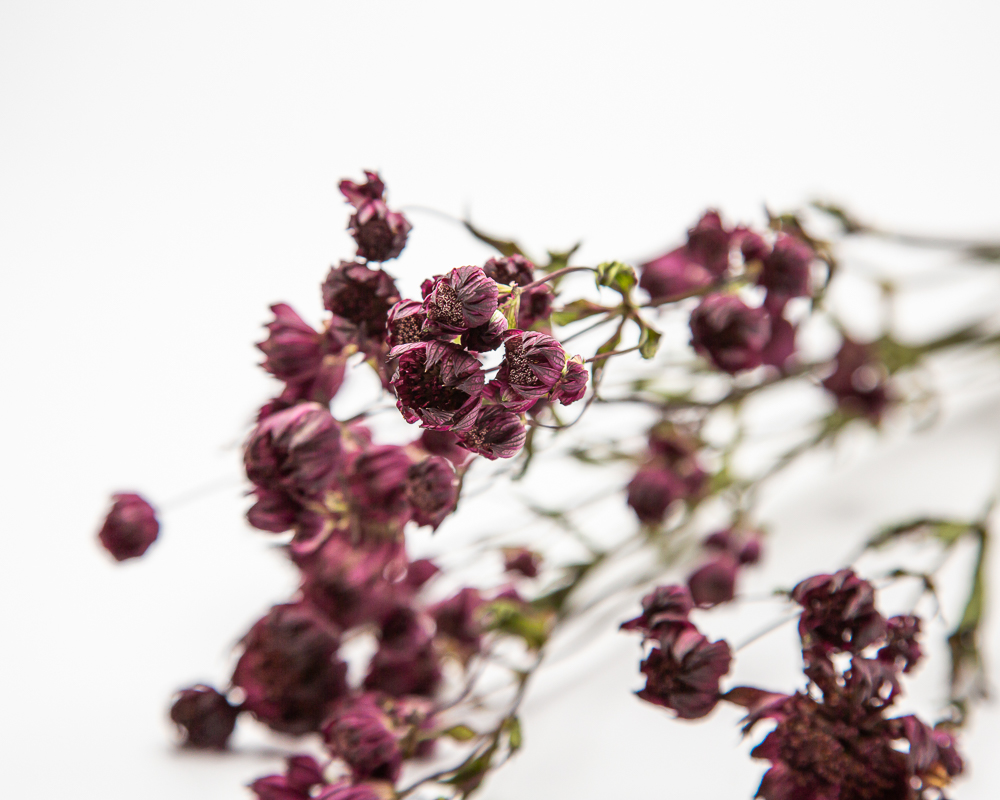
[522, 560]
[380, 233]
[273, 511]
[405, 662]
[289, 669]
[785, 271]
[302, 773]
[709, 243]
[859, 381]
[405, 323]
[512, 270]
[296, 451]
[347, 581]
[464, 298]
[728, 332]
[572, 384]
[715, 581]
[438, 384]
[376, 483]
[360, 733]
[432, 490]
[130, 527]
[674, 275]
[838, 612]
[752, 245]
[360, 295]
[683, 673]
[486, 337]
[651, 492]
[901, 647]
[534, 305]
[496, 433]
[293, 350]
[204, 717]
[532, 368]
[457, 619]
[276, 787]
[662, 608]
[445, 444]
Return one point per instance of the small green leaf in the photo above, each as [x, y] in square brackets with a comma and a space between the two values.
[460, 733]
[517, 619]
[505, 246]
[577, 310]
[514, 737]
[616, 275]
[558, 260]
[649, 342]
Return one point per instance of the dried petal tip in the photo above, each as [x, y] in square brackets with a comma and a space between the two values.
[130, 527]
[204, 717]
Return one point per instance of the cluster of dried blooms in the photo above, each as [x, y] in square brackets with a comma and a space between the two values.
[343, 504]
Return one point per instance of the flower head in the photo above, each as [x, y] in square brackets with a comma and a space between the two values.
[709, 242]
[652, 491]
[380, 233]
[859, 381]
[406, 661]
[360, 295]
[662, 608]
[728, 332]
[465, 298]
[532, 368]
[360, 733]
[785, 271]
[432, 490]
[496, 433]
[130, 527]
[293, 350]
[204, 717]
[512, 270]
[438, 384]
[683, 673]
[838, 612]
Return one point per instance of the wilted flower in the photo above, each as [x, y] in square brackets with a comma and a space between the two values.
[464, 298]
[683, 673]
[289, 669]
[859, 381]
[496, 433]
[130, 527]
[432, 490]
[204, 717]
[360, 733]
[838, 611]
[296, 450]
[360, 295]
[486, 337]
[438, 384]
[730, 333]
[380, 233]
[405, 662]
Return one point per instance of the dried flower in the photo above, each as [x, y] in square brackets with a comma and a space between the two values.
[406, 662]
[728, 332]
[130, 527]
[683, 673]
[674, 275]
[651, 492]
[838, 612]
[662, 608]
[293, 350]
[432, 490]
[204, 717]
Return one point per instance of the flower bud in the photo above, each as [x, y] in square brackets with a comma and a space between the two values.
[432, 490]
[572, 384]
[380, 233]
[130, 527]
[296, 451]
[728, 332]
[274, 511]
[438, 384]
[714, 582]
[204, 717]
[360, 295]
[651, 492]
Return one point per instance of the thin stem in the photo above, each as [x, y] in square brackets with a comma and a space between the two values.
[553, 275]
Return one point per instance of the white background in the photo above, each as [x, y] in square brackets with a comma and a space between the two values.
[168, 170]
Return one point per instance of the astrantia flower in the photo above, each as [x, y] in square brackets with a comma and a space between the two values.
[376, 483]
[572, 384]
[512, 270]
[715, 581]
[532, 368]
[674, 275]
[859, 381]
[727, 331]
[838, 611]
[902, 648]
[785, 271]
[405, 323]
[534, 305]
[709, 242]
[204, 717]
[130, 527]
[464, 298]
[289, 670]
[486, 337]
[432, 490]
[296, 450]
[406, 661]
[302, 774]
[380, 233]
[496, 433]
[662, 608]
[683, 673]
[457, 619]
[360, 733]
[360, 295]
[438, 384]
[652, 491]
[293, 350]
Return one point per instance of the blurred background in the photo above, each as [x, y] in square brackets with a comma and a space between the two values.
[167, 171]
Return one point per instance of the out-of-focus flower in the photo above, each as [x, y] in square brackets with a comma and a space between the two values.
[652, 491]
[781, 346]
[360, 733]
[715, 581]
[296, 451]
[859, 381]
[289, 669]
[376, 483]
[380, 233]
[432, 490]
[674, 275]
[445, 444]
[302, 774]
[457, 619]
[785, 271]
[512, 270]
[901, 647]
[521, 560]
[729, 333]
[709, 242]
[405, 662]
[130, 527]
[360, 295]
[293, 350]
[838, 612]
[662, 608]
[204, 717]
[683, 673]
